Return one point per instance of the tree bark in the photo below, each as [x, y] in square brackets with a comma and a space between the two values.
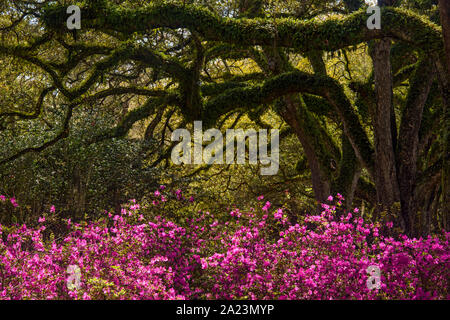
[444, 7]
[349, 173]
[320, 183]
[385, 168]
[444, 87]
[408, 144]
[277, 63]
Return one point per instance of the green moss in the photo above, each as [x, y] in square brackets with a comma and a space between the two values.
[136, 115]
[302, 165]
[250, 97]
[330, 34]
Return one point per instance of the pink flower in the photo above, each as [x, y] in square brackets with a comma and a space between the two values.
[266, 206]
[13, 202]
[2, 198]
[236, 213]
[162, 187]
[158, 259]
[52, 209]
[278, 214]
[157, 193]
[330, 198]
[401, 259]
[134, 207]
[191, 199]
[260, 198]
[356, 210]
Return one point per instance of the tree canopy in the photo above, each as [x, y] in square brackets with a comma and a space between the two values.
[368, 108]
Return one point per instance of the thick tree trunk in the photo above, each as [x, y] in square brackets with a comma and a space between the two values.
[444, 86]
[444, 7]
[408, 144]
[385, 165]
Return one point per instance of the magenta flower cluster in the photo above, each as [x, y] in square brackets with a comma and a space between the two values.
[255, 254]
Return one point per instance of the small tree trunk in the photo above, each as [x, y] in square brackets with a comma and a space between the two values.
[349, 172]
[320, 183]
[319, 179]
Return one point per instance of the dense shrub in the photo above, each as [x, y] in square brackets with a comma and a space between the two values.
[256, 254]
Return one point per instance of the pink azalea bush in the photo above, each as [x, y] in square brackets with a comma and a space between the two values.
[255, 254]
[326, 261]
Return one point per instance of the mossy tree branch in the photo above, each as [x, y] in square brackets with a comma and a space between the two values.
[330, 34]
[250, 97]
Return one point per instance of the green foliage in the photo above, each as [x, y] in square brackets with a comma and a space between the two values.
[86, 120]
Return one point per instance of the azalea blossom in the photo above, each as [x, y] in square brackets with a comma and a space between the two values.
[266, 206]
[150, 256]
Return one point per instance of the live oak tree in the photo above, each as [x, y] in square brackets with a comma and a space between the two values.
[186, 58]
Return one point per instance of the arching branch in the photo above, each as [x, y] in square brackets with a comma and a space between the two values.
[37, 109]
[296, 82]
[330, 34]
